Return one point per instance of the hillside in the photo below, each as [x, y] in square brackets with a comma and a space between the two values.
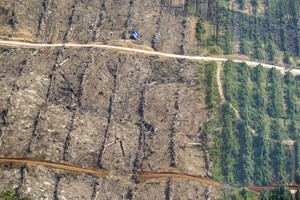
[105, 123]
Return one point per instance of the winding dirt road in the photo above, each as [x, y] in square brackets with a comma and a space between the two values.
[141, 176]
[155, 53]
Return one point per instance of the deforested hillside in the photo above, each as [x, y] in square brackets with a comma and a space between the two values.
[124, 114]
[104, 122]
[263, 30]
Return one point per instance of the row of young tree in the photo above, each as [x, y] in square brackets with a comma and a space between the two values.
[279, 193]
[251, 142]
[259, 36]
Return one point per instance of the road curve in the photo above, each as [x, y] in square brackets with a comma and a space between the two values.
[155, 53]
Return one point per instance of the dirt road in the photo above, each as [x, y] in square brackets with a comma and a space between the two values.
[98, 172]
[142, 176]
[220, 87]
[155, 53]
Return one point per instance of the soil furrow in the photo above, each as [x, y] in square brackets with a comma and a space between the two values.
[136, 164]
[56, 187]
[45, 5]
[144, 127]
[79, 105]
[83, 78]
[68, 138]
[183, 37]
[129, 24]
[65, 38]
[114, 74]
[100, 20]
[53, 74]
[169, 189]
[154, 42]
[3, 120]
[96, 187]
[13, 21]
[35, 134]
[19, 191]
[173, 131]
[204, 140]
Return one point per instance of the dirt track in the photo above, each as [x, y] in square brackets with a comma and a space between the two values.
[32, 45]
[261, 188]
[220, 88]
[98, 172]
[142, 176]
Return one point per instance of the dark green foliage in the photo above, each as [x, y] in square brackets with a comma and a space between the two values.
[293, 130]
[262, 168]
[297, 196]
[297, 154]
[188, 7]
[228, 34]
[243, 194]
[229, 83]
[245, 163]
[243, 96]
[274, 107]
[277, 27]
[254, 3]
[242, 4]
[229, 148]
[290, 90]
[281, 157]
[280, 193]
[271, 51]
[251, 147]
[286, 58]
[212, 92]
[200, 31]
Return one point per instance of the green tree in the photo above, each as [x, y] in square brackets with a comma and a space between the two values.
[246, 163]
[298, 193]
[200, 31]
[262, 168]
[229, 145]
[275, 94]
[212, 92]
